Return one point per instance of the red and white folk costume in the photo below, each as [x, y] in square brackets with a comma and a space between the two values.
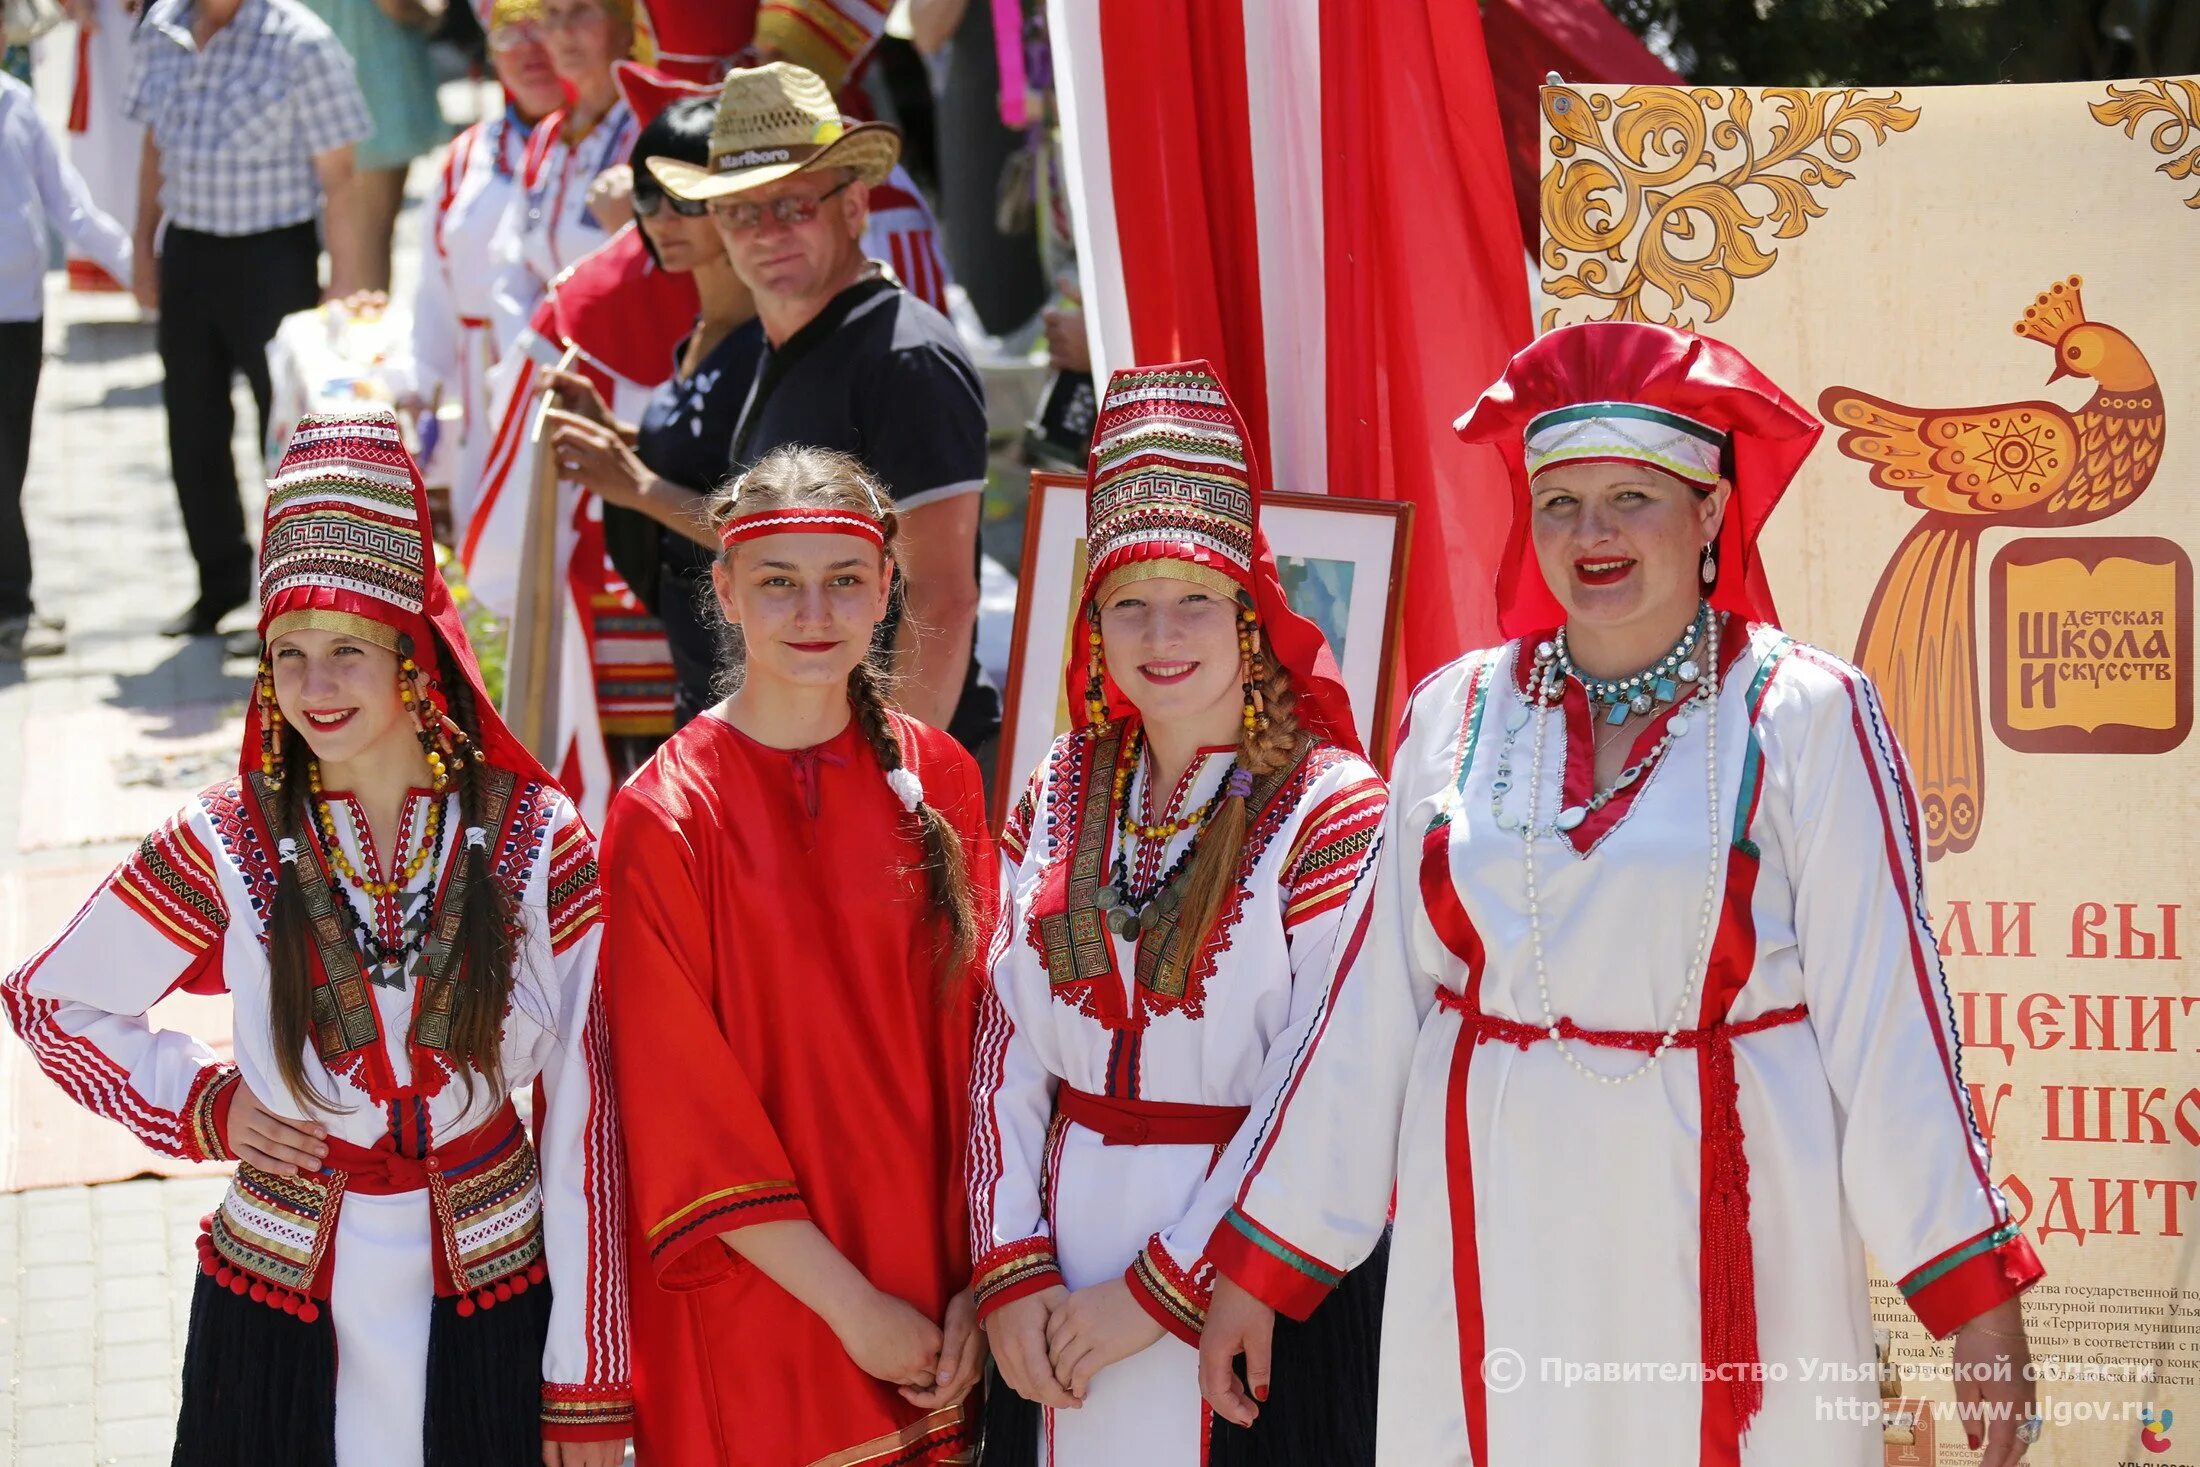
[1713, 1214]
[1114, 1076]
[453, 342]
[549, 226]
[453, 1281]
[787, 1048]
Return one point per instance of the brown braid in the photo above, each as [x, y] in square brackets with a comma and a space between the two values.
[821, 478]
[946, 864]
[1262, 751]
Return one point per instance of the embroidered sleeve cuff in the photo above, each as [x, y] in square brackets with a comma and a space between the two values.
[1268, 1268]
[1971, 1278]
[1177, 1300]
[206, 1114]
[1010, 1272]
[580, 1413]
[684, 1248]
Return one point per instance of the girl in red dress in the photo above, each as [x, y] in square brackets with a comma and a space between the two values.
[796, 887]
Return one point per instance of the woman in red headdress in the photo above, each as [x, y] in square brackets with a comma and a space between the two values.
[1175, 878]
[798, 890]
[402, 908]
[1642, 1017]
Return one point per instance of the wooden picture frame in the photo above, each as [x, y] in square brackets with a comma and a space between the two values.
[1346, 555]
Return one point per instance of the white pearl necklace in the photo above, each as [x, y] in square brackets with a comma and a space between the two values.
[1541, 686]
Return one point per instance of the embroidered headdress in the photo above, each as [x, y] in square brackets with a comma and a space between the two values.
[1173, 491]
[346, 548]
[1628, 392]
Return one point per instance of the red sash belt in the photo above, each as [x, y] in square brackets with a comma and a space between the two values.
[1122, 1122]
[1728, 1271]
[381, 1170]
[474, 323]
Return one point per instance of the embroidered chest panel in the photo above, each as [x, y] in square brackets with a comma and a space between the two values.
[1067, 927]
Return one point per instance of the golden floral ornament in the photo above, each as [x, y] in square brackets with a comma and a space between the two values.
[2170, 109]
[1658, 199]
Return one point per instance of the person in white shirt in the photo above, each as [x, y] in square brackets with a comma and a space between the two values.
[37, 188]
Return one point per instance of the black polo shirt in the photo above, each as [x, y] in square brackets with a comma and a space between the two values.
[882, 376]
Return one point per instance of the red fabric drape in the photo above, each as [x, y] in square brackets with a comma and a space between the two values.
[1427, 298]
[1180, 164]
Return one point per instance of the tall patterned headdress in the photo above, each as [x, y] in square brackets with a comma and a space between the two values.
[1626, 391]
[346, 547]
[1172, 491]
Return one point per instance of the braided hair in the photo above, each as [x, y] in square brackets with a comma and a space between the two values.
[819, 478]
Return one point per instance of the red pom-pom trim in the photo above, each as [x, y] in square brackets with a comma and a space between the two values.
[518, 1284]
[308, 1312]
[224, 1274]
[538, 1271]
[240, 1285]
[258, 1293]
[465, 1308]
[487, 1298]
[504, 1291]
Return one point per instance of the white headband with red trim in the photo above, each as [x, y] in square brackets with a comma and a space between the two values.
[801, 520]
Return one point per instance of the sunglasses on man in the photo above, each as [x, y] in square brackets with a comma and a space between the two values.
[648, 201]
[744, 216]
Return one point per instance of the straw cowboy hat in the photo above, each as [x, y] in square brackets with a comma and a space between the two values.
[773, 122]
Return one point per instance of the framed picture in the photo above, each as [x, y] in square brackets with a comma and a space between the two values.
[1343, 566]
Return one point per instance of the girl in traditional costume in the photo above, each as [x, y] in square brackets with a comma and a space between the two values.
[799, 886]
[402, 1271]
[1174, 879]
[1642, 1016]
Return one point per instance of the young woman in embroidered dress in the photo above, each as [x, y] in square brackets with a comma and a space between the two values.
[1642, 1016]
[800, 883]
[1174, 878]
[398, 1274]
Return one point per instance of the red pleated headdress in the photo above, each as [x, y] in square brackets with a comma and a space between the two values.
[1627, 391]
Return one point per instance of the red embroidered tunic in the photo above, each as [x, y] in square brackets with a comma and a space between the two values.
[786, 1049]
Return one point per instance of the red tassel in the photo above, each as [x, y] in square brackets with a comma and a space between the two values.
[1729, 1265]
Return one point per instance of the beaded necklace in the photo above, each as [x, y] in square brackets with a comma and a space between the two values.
[1546, 683]
[1653, 687]
[1554, 664]
[431, 843]
[1128, 912]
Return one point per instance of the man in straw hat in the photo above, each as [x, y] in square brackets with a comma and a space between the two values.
[853, 361]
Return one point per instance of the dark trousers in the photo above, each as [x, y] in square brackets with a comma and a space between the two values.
[221, 298]
[22, 353]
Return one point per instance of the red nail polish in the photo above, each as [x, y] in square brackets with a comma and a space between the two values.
[1260, 1392]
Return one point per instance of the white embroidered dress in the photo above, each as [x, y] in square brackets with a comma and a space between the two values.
[547, 225]
[185, 911]
[454, 341]
[1053, 1202]
[1547, 1222]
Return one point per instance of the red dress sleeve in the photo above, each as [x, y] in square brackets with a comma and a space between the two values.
[702, 1156]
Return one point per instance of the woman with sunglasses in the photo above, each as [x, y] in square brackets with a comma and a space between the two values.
[452, 349]
[653, 475]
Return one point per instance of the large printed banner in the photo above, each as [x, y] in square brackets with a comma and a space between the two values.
[1992, 296]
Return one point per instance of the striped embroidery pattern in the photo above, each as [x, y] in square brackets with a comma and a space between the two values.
[277, 1228]
[170, 881]
[575, 899]
[723, 1203]
[198, 1113]
[1017, 1263]
[492, 1213]
[1185, 1296]
[576, 1405]
[1016, 835]
[1332, 849]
